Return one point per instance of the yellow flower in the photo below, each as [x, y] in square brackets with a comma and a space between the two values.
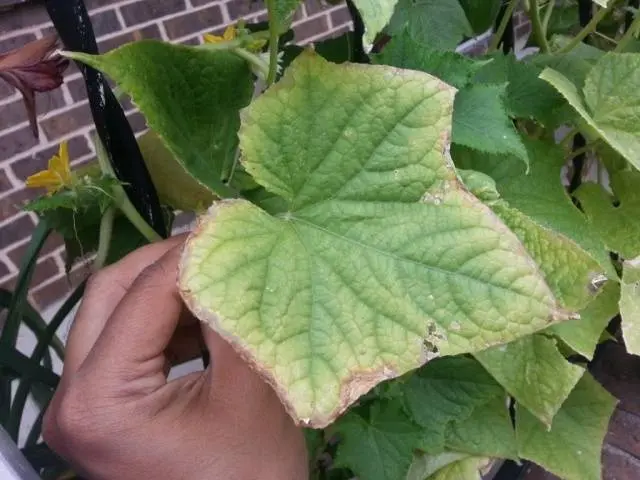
[57, 175]
[228, 35]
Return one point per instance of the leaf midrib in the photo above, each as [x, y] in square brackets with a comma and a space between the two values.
[398, 258]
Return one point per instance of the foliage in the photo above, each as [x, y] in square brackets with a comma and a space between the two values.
[392, 243]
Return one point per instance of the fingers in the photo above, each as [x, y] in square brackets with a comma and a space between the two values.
[228, 369]
[223, 356]
[103, 293]
[142, 325]
[187, 342]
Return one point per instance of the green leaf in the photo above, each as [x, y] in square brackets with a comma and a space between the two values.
[575, 65]
[464, 469]
[190, 96]
[526, 96]
[382, 259]
[440, 24]
[570, 271]
[404, 52]
[375, 16]
[480, 121]
[90, 196]
[481, 185]
[389, 433]
[487, 432]
[540, 196]
[572, 274]
[630, 305]
[583, 334]
[481, 14]
[571, 449]
[611, 102]
[534, 372]
[315, 442]
[425, 465]
[281, 13]
[175, 186]
[445, 391]
[76, 213]
[616, 224]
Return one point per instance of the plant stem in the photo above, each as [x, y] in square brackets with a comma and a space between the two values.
[567, 140]
[537, 26]
[577, 161]
[547, 16]
[581, 150]
[121, 200]
[104, 238]
[608, 39]
[234, 165]
[629, 35]
[497, 36]
[273, 42]
[588, 29]
[129, 211]
[253, 60]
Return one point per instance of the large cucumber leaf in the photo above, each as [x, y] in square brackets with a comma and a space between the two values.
[382, 260]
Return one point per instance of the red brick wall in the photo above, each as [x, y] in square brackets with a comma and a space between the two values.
[64, 113]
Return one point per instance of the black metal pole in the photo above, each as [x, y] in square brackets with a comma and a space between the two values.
[73, 24]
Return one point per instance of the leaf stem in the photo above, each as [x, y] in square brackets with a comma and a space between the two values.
[273, 42]
[629, 35]
[547, 16]
[581, 150]
[608, 39]
[537, 26]
[587, 30]
[129, 211]
[253, 59]
[234, 165]
[497, 36]
[104, 238]
[568, 138]
[121, 200]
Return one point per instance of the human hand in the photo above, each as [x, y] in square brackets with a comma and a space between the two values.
[115, 416]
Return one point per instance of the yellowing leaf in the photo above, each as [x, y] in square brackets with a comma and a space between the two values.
[380, 261]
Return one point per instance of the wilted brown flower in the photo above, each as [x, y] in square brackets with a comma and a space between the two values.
[33, 68]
